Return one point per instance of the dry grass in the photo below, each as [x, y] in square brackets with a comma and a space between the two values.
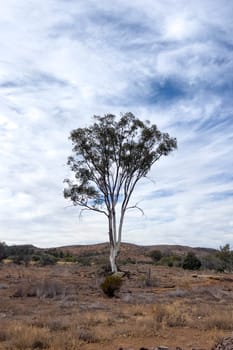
[195, 313]
[21, 336]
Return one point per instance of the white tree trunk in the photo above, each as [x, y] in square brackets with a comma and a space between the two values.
[112, 258]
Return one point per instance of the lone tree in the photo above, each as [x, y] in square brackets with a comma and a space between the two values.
[109, 158]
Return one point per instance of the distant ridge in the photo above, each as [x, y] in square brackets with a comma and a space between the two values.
[127, 249]
[130, 249]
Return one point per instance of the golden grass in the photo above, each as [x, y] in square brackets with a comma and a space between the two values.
[83, 318]
[21, 336]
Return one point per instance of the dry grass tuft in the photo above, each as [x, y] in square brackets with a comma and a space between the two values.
[21, 336]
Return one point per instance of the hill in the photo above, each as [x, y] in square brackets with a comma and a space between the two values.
[136, 252]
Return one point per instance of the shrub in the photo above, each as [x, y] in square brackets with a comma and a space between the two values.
[225, 254]
[84, 260]
[171, 260]
[70, 258]
[127, 261]
[191, 262]
[156, 255]
[47, 259]
[3, 251]
[47, 289]
[212, 262]
[35, 257]
[111, 284]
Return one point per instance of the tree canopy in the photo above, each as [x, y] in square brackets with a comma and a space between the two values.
[109, 158]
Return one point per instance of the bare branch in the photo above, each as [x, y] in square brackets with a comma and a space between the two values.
[136, 207]
[88, 207]
[151, 180]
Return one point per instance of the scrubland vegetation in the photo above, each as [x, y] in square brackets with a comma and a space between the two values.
[219, 260]
[63, 305]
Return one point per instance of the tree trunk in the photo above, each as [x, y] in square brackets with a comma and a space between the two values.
[112, 258]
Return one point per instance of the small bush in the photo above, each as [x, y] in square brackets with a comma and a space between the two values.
[156, 255]
[47, 259]
[84, 261]
[127, 261]
[45, 289]
[87, 336]
[225, 254]
[212, 262]
[3, 251]
[70, 258]
[171, 260]
[35, 257]
[191, 262]
[111, 284]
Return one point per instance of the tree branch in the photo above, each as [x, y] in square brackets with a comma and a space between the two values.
[136, 207]
[88, 207]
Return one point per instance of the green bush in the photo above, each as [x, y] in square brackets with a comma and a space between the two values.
[191, 262]
[212, 262]
[127, 261]
[111, 284]
[3, 251]
[225, 254]
[156, 255]
[70, 258]
[171, 260]
[35, 257]
[84, 260]
[47, 259]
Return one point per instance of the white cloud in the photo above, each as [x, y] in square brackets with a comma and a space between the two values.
[168, 62]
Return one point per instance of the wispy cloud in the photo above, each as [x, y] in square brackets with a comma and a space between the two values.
[169, 62]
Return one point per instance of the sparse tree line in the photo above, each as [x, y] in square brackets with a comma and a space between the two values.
[220, 260]
[26, 254]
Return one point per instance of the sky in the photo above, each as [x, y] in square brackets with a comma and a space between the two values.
[170, 62]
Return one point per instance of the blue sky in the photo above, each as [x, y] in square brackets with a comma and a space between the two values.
[170, 62]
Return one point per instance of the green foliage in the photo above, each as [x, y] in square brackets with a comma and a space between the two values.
[23, 254]
[156, 255]
[191, 262]
[111, 285]
[54, 252]
[69, 258]
[127, 261]
[212, 262]
[109, 158]
[225, 254]
[35, 257]
[171, 260]
[3, 250]
[47, 259]
[84, 260]
[129, 146]
[20, 254]
[20, 250]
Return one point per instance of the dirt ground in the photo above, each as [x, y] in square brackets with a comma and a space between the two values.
[63, 307]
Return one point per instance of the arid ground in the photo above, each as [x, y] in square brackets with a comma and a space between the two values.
[63, 307]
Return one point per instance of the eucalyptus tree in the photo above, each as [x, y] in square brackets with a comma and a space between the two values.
[109, 158]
